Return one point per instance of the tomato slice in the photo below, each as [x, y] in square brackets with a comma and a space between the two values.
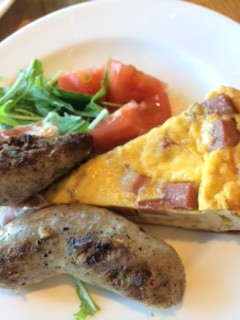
[128, 122]
[116, 128]
[144, 97]
[86, 81]
[126, 83]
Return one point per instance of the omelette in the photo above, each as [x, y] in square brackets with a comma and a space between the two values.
[184, 173]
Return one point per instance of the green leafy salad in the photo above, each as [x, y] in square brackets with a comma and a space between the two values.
[32, 97]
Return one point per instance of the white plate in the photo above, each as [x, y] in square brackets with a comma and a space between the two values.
[193, 50]
[4, 6]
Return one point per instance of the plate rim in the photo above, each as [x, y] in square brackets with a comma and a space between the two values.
[20, 34]
[5, 6]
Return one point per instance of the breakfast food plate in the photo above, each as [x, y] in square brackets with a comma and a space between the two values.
[193, 50]
[4, 6]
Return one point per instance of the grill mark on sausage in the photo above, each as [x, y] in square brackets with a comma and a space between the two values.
[77, 243]
[99, 255]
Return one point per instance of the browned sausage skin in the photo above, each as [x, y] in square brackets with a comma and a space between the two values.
[94, 245]
[29, 163]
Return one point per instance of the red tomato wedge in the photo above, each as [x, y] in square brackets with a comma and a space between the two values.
[128, 122]
[144, 99]
[86, 81]
[126, 83]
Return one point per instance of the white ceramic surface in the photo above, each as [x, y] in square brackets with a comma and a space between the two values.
[4, 6]
[194, 50]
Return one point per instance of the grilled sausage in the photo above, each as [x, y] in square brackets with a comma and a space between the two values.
[29, 163]
[94, 245]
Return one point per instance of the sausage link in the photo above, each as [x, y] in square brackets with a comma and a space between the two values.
[94, 245]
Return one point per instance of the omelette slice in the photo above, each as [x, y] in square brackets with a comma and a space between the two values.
[184, 173]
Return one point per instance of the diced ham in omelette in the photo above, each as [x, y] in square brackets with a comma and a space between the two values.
[174, 196]
[132, 181]
[225, 134]
[220, 104]
[181, 195]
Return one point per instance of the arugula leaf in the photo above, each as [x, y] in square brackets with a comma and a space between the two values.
[31, 98]
[67, 123]
[88, 307]
[78, 100]
[101, 93]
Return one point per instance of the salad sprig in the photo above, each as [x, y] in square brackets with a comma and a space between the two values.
[87, 307]
[32, 97]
